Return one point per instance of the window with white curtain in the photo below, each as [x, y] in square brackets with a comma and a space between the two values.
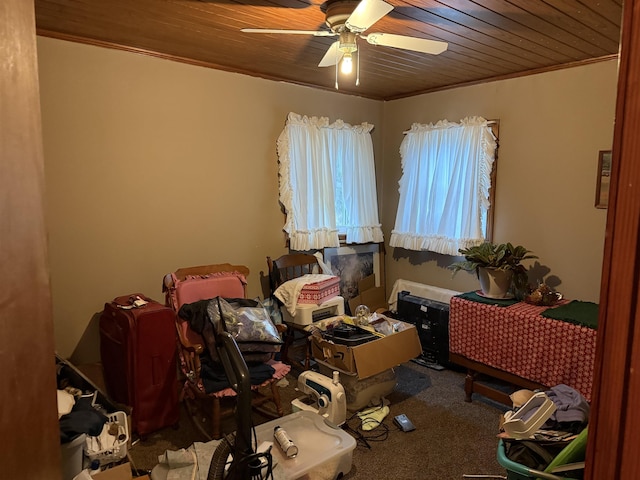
[444, 188]
[327, 183]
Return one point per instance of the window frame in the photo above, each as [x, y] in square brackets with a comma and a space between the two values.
[447, 185]
[495, 129]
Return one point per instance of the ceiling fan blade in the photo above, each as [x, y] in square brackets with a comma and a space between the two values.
[366, 14]
[332, 57]
[319, 33]
[407, 43]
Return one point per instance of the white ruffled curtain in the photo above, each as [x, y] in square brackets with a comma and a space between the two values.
[444, 188]
[327, 182]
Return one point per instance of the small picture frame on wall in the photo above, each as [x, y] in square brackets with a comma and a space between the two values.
[602, 184]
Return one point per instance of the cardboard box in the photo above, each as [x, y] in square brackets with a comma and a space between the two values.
[373, 357]
[369, 295]
[119, 472]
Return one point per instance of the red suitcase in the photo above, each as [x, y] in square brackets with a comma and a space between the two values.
[138, 352]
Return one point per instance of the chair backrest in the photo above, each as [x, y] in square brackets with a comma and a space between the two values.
[188, 285]
[290, 266]
[183, 273]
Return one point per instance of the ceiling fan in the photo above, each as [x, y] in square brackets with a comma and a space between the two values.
[347, 20]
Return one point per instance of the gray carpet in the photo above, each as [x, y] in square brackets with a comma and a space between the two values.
[451, 438]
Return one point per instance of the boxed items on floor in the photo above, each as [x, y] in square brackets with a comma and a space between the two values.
[395, 342]
[84, 412]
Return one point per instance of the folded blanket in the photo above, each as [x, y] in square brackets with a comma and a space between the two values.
[498, 302]
[576, 311]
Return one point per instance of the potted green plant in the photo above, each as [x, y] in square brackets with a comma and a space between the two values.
[498, 267]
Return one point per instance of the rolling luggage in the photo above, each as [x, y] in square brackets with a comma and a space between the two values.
[138, 352]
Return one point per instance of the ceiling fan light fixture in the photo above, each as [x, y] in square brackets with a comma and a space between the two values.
[346, 67]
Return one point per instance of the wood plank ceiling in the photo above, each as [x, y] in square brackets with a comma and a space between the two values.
[488, 39]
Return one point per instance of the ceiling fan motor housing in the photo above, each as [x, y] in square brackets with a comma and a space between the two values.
[338, 11]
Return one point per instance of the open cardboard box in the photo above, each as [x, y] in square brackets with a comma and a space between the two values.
[373, 357]
[119, 472]
[370, 295]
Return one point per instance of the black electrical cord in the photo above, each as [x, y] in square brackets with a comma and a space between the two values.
[379, 433]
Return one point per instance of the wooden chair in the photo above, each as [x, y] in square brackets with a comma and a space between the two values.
[227, 281]
[288, 267]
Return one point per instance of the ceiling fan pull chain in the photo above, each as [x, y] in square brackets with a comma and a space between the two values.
[336, 72]
[358, 68]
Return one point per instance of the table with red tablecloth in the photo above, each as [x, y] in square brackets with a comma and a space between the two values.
[516, 343]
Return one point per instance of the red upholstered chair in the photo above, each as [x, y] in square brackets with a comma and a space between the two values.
[188, 285]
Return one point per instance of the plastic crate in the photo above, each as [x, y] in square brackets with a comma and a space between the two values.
[118, 450]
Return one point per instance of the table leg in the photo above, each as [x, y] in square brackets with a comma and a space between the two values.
[468, 384]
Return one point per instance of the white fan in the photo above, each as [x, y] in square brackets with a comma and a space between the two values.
[348, 19]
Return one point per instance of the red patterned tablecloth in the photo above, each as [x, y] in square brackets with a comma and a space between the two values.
[517, 339]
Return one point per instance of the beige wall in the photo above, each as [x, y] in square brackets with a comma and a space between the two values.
[552, 126]
[153, 165]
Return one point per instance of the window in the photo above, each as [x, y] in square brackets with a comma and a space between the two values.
[327, 183]
[445, 185]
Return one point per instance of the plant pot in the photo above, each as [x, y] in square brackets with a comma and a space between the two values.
[495, 283]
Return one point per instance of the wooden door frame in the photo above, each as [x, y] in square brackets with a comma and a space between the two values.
[614, 443]
[28, 412]
[28, 390]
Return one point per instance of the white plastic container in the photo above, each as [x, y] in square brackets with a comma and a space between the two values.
[324, 452]
[307, 314]
[530, 417]
[72, 457]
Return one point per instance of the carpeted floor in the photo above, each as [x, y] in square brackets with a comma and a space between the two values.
[451, 438]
